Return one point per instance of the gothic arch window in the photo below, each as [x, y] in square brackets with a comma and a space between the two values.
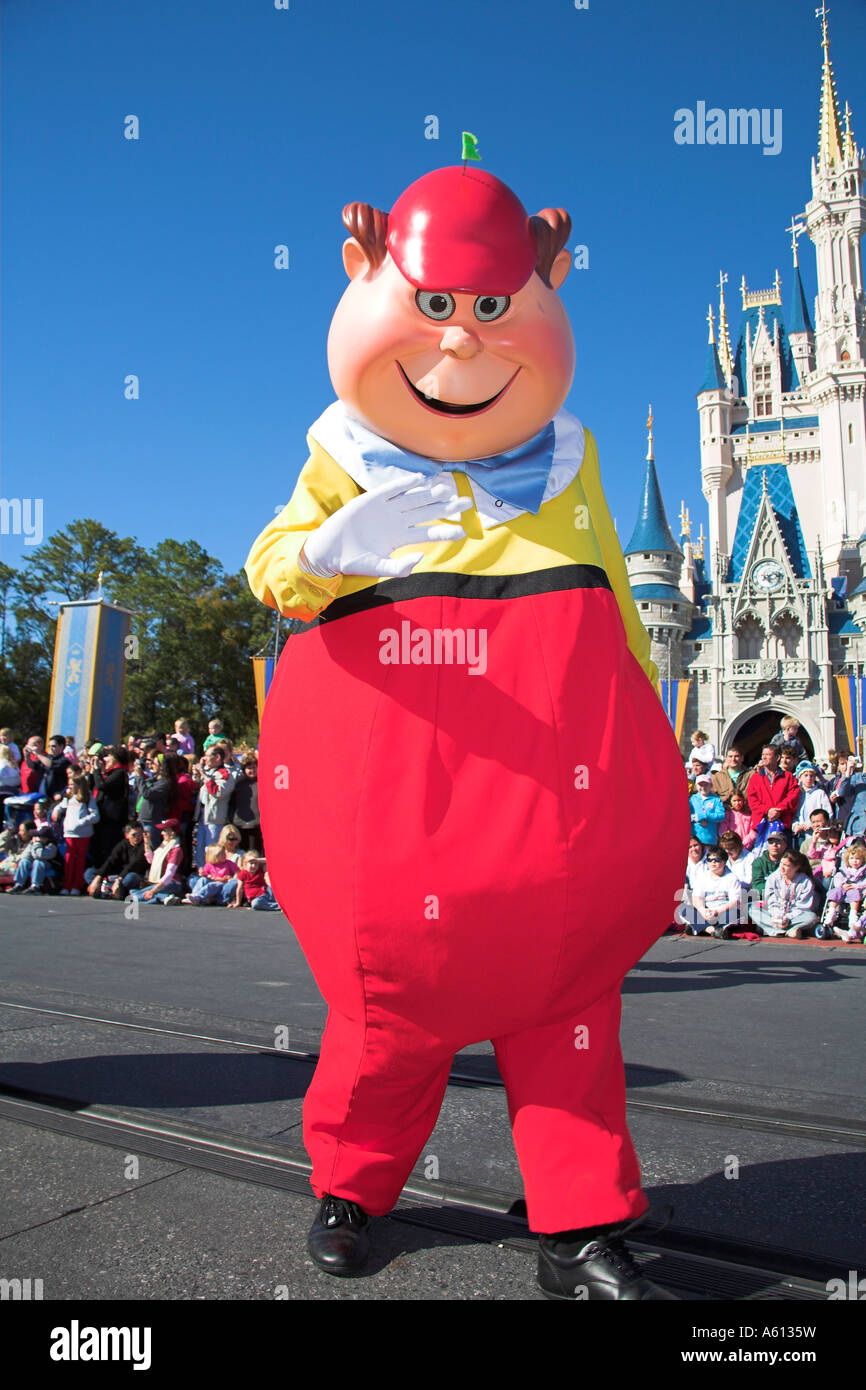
[750, 639]
[787, 635]
[850, 434]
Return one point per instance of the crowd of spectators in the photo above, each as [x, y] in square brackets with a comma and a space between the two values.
[777, 849]
[146, 819]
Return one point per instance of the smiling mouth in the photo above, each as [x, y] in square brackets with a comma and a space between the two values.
[447, 407]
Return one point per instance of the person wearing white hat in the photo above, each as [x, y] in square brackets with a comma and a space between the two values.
[707, 811]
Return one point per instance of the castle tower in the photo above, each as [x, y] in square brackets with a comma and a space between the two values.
[836, 220]
[778, 603]
[715, 399]
[655, 562]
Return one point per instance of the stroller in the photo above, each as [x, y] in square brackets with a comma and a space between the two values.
[835, 923]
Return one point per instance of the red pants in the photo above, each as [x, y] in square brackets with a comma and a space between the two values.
[459, 856]
[76, 858]
[377, 1092]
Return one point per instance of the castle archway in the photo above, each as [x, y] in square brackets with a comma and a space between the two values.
[754, 727]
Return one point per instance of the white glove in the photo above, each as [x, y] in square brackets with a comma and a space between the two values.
[359, 538]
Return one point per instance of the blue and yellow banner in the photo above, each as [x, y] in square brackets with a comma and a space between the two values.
[263, 674]
[89, 672]
[673, 695]
[847, 687]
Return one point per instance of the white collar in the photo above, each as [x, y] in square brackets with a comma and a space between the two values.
[331, 432]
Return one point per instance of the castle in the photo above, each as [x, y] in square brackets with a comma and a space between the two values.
[769, 617]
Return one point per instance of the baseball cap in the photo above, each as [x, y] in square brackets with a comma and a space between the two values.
[462, 229]
[777, 837]
[95, 748]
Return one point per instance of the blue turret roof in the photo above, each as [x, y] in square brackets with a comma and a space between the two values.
[799, 315]
[665, 592]
[703, 624]
[701, 627]
[842, 624]
[751, 319]
[651, 530]
[713, 377]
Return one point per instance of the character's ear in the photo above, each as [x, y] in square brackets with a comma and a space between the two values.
[551, 229]
[367, 246]
[560, 268]
[354, 258]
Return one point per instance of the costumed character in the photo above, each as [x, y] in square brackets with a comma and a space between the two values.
[458, 729]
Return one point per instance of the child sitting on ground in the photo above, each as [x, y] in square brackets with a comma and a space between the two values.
[218, 873]
[13, 843]
[253, 885]
[849, 885]
[38, 866]
[789, 894]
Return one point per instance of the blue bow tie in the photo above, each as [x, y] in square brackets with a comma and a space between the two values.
[518, 477]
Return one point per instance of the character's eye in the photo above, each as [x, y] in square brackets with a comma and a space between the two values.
[491, 306]
[435, 303]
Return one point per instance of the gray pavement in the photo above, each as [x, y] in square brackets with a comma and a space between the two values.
[735, 1024]
[78, 1223]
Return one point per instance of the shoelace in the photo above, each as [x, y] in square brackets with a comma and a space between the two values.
[617, 1253]
[336, 1211]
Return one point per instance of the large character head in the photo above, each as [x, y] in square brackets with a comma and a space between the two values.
[451, 339]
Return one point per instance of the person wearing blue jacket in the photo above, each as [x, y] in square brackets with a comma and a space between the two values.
[707, 811]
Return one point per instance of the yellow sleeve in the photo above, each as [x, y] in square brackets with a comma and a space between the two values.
[272, 566]
[614, 562]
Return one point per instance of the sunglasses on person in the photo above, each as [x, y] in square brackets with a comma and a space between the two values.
[714, 859]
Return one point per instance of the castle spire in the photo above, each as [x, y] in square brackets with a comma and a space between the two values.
[713, 377]
[725, 356]
[830, 130]
[798, 317]
[850, 143]
[652, 532]
[649, 425]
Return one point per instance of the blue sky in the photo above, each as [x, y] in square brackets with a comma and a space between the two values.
[156, 256]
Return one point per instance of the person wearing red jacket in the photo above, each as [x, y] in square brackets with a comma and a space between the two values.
[772, 794]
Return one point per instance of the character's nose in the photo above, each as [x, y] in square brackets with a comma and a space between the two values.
[460, 342]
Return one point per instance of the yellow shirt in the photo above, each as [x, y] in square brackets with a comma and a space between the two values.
[573, 528]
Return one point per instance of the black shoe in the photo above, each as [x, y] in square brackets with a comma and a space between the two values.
[338, 1240]
[721, 933]
[602, 1270]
